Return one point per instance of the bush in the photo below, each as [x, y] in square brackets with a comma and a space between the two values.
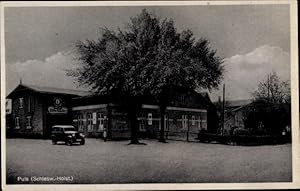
[241, 131]
[258, 132]
[259, 139]
[244, 139]
[272, 117]
[204, 137]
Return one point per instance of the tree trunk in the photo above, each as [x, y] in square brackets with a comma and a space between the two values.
[133, 127]
[162, 124]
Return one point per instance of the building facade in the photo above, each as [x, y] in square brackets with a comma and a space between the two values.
[35, 110]
[186, 115]
[234, 115]
[266, 118]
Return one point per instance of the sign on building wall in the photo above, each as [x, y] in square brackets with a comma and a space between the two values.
[53, 110]
[149, 118]
[57, 107]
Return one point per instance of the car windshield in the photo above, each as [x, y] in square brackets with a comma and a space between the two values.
[69, 129]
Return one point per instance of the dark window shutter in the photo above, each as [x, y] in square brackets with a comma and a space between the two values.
[32, 102]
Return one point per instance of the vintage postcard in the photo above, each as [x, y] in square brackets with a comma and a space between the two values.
[149, 95]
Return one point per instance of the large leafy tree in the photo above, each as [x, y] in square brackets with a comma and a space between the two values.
[181, 61]
[148, 58]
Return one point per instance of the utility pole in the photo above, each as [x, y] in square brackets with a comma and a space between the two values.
[223, 113]
[268, 83]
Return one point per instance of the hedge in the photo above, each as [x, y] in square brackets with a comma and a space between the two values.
[244, 139]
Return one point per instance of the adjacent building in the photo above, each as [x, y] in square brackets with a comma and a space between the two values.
[36, 109]
[234, 114]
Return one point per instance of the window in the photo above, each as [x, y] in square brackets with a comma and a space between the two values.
[90, 122]
[17, 123]
[199, 123]
[184, 122]
[182, 99]
[28, 122]
[193, 120]
[8, 106]
[75, 121]
[142, 124]
[21, 102]
[100, 121]
[236, 120]
[80, 122]
[149, 118]
[94, 118]
[29, 104]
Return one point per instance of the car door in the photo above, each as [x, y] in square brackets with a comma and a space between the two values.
[59, 133]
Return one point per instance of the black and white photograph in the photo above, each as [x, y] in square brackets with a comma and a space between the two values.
[149, 95]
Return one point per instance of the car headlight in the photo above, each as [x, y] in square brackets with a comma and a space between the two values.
[81, 134]
[73, 135]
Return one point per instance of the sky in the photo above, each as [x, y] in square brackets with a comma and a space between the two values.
[253, 40]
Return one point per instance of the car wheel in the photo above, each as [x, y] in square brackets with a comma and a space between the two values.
[82, 142]
[69, 142]
[54, 141]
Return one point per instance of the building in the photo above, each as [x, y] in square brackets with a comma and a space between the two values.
[186, 115]
[234, 114]
[258, 117]
[36, 109]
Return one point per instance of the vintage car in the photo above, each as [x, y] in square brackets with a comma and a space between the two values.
[67, 134]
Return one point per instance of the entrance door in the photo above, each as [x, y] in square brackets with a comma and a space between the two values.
[178, 130]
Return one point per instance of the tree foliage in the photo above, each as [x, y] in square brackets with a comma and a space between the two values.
[270, 112]
[262, 117]
[273, 90]
[148, 57]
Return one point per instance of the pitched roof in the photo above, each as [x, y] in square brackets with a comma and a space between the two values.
[238, 103]
[44, 89]
[147, 99]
